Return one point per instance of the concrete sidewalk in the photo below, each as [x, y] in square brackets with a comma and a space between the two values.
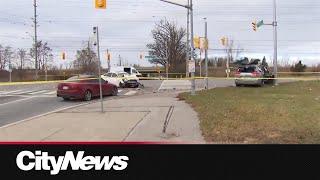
[137, 118]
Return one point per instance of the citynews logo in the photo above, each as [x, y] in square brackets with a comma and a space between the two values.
[41, 161]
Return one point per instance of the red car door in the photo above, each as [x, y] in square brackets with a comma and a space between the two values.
[107, 88]
[93, 85]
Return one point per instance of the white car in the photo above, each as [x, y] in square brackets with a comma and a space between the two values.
[119, 79]
[114, 78]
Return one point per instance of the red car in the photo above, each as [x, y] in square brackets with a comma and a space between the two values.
[85, 87]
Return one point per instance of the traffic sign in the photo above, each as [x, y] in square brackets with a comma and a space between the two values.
[192, 66]
[204, 43]
[260, 23]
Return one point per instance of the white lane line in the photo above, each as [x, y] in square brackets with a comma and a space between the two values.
[130, 93]
[38, 92]
[50, 93]
[161, 85]
[16, 101]
[22, 92]
[119, 91]
[10, 92]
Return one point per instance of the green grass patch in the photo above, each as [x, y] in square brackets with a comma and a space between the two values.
[286, 114]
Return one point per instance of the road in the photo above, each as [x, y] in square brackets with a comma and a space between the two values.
[20, 102]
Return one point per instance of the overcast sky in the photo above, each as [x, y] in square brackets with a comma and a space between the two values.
[125, 26]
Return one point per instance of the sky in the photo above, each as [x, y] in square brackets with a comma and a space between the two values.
[125, 26]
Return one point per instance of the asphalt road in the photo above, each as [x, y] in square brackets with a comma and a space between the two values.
[20, 102]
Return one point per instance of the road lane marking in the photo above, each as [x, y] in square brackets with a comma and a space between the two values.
[130, 93]
[38, 92]
[50, 93]
[22, 92]
[19, 100]
[119, 91]
[10, 92]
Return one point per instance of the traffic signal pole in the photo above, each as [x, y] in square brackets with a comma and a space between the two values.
[193, 81]
[35, 37]
[275, 38]
[190, 7]
[96, 32]
[206, 51]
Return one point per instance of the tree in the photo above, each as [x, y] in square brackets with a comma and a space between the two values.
[264, 62]
[21, 55]
[86, 61]
[6, 55]
[44, 54]
[169, 46]
[299, 67]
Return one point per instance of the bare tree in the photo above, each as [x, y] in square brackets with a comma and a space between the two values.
[6, 55]
[169, 46]
[86, 61]
[44, 54]
[21, 55]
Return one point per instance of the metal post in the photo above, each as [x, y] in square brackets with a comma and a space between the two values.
[206, 52]
[10, 71]
[35, 37]
[46, 71]
[200, 63]
[275, 37]
[188, 40]
[193, 83]
[100, 81]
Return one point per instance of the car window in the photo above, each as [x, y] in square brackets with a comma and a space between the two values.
[127, 70]
[247, 69]
[134, 71]
[114, 75]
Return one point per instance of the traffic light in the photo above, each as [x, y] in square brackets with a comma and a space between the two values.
[108, 56]
[101, 4]
[196, 42]
[204, 44]
[254, 25]
[224, 41]
[63, 56]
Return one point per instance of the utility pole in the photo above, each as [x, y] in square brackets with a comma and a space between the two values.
[275, 37]
[96, 32]
[35, 37]
[206, 51]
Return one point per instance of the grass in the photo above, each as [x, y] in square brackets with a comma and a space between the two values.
[286, 114]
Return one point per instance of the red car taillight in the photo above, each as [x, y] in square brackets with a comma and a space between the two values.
[255, 74]
[237, 74]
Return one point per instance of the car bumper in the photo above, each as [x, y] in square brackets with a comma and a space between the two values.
[248, 81]
[131, 83]
[72, 94]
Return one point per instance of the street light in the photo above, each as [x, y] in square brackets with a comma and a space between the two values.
[190, 8]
